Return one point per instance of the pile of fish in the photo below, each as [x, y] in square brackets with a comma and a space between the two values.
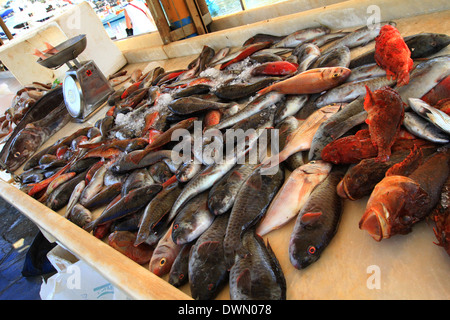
[346, 130]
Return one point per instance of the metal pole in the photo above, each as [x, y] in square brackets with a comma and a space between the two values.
[5, 29]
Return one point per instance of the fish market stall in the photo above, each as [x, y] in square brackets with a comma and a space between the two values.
[353, 265]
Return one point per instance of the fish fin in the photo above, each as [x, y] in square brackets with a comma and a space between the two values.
[369, 99]
[265, 90]
[310, 217]
[244, 281]
[408, 165]
[208, 247]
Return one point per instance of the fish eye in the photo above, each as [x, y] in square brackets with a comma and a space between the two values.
[17, 154]
[210, 286]
[162, 262]
[175, 226]
[311, 250]
[181, 276]
[335, 75]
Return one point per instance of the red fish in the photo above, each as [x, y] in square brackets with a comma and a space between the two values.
[393, 55]
[275, 68]
[245, 52]
[439, 92]
[441, 217]
[130, 90]
[385, 110]
[212, 118]
[123, 241]
[398, 202]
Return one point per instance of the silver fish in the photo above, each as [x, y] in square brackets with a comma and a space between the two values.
[75, 196]
[300, 36]
[365, 72]
[80, 215]
[337, 57]
[349, 91]
[326, 38]
[307, 54]
[437, 117]
[422, 128]
[424, 77]
[94, 186]
[292, 105]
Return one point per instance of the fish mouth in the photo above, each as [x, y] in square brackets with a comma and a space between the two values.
[342, 191]
[375, 222]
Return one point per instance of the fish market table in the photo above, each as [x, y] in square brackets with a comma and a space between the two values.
[353, 266]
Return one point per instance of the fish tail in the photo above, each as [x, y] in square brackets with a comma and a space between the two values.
[265, 90]
[90, 226]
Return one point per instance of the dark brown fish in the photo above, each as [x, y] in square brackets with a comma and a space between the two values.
[179, 273]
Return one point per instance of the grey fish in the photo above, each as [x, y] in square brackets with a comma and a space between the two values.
[75, 196]
[188, 170]
[286, 127]
[292, 105]
[124, 164]
[189, 105]
[222, 53]
[350, 91]
[179, 272]
[193, 219]
[326, 38]
[250, 205]
[317, 221]
[424, 77]
[257, 273]
[207, 270]
[223, 194]
[359, 37]
[422, 128]
[160, 172]
[253, 107]
[136, 179]
[366, 71]
[133, 201]
[337, 57]
[300, 36]
[435, 116]
[307, 54]
[61, 195]
[335, 126]
[94, 186]
[156, 210]
[262, 57]
[241, 90]
[104, 196]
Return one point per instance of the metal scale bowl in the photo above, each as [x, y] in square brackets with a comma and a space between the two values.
[85, 88]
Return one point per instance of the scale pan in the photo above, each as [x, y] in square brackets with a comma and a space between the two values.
[68, 50]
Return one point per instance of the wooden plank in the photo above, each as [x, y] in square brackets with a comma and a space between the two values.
[182, 32]
[195, 16]
[160, 20]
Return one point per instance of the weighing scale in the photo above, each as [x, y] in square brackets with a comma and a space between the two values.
[85, 88]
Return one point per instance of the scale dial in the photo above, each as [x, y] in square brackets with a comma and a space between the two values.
[73, 96]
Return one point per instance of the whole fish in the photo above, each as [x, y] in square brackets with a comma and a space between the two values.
[307, 54]
[204, 180]
[263, 57]
[293, 195]
[260, 103]
[310, 81]
[125, 164]
[256, 273]
[360, 179]
[424, 129]
[220, 54]
[337, 57]
[232, 92]
[156, 210]
[136, 179]
[286, 127]
[350, 91]
[164, 255]
[123, 241]
[385, 112]
[421, 45]
[398, 202]
[300, 36]
[365, 72]
[179, 272]
[133, 201]
[274, 68]
[435, 116]
[359, 37]
[301, 138]
[326, 38]
[74, 197]
[398, 65]
[80, 215]
[425, 76]
[337, 125]
[261, 37]
[60, 197]
[223, 194]
[242, 54]
[250, 205]
[188, 105]
[207, 270]
[317, 222]
[94, 186]
[193, 219]
[34, 135]
[104, 196]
